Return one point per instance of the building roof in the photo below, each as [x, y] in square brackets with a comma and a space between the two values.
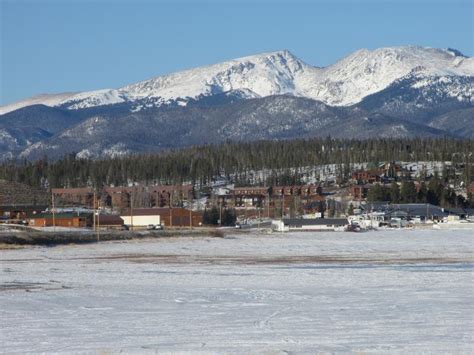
[455, 210]
[155, 211]
[315, 221]
[120, 189]
[62, 215]
[25, 208]
[411, 209]
[171, 188]
[152, 189]
[73, 191]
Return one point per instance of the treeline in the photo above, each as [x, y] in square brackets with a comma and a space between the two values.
[435, 192]
[225, 217]
[200, 165]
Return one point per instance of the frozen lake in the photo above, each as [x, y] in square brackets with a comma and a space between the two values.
[408, 291]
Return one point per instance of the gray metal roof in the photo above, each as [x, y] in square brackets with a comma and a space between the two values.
[455, 210]
[315, 221]
[411, 209]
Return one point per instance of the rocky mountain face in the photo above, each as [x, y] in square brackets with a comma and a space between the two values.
[388, 92]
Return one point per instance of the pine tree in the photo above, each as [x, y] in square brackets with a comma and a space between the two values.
[408, 192]
[350, 210]
[229, 217]
[422, 193]
[394, 193]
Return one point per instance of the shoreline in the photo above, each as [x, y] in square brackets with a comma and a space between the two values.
[15, 238]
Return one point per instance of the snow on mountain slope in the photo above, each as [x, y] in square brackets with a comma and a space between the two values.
[344, 83]
[45, 99]
[94, 98]
[261, 75]
[366, 72]
[265, 74]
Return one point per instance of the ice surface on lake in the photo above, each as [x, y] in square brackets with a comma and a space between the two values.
[406, 291]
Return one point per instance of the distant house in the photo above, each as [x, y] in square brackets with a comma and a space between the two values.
[69, 219]
[169, 195]
[118, 197]
[159, 196]
[14, 213]
[249, 196]
[367, 176]
[315, 224]
[360, 192]
[170, 217]
[407, 211]
[273, 196]
[391, 169]
[82, 196]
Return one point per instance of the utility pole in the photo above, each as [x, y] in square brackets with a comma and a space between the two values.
[268, 206]
[131, 210]
[93, 211]
[220, 213]
[98, 220]
[53, 210]
[282, 205]
[258, 222]
[171, 209]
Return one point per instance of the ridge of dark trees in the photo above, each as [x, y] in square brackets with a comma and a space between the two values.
[235, 161]
[435, 192]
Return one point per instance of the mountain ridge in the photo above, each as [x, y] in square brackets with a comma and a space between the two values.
[387, 92]
[343, 83]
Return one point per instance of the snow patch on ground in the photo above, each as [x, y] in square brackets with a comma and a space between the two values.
[397, 291]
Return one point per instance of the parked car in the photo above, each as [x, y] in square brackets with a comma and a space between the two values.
[154, 227]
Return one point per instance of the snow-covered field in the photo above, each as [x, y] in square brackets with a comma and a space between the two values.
[404, 291]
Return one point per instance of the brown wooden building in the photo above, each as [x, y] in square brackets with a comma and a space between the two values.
[121, 197]
[170, 195]
[367, 176]
[169, 217]
[360, 192]
[109, 221]
[79, 196]
[14, 213]
[70, 219]
[248, 197]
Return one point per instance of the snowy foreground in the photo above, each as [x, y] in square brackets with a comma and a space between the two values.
[405, 291]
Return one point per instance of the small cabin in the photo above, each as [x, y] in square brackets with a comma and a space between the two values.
[310, 224]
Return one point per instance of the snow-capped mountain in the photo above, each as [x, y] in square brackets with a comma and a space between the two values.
[344, 83]
[366, 72]
[387, 92]
[41, 99]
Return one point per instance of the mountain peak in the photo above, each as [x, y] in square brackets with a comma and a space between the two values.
[279, 72]
[456, 53]
[277, 53]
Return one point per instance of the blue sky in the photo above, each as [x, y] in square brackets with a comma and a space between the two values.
[50, 46]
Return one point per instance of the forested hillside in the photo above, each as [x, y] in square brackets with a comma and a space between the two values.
[200, 165]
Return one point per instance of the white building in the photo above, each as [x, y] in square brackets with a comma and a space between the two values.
[306, 224]
[142, 217]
